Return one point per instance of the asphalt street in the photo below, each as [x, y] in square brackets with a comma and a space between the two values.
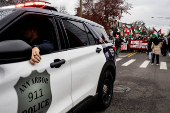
[139, 86]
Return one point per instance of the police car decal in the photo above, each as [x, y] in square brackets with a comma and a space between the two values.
[108, 51]
[34, 93]
[112, 51]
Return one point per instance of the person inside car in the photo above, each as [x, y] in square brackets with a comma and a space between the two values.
[39, 46]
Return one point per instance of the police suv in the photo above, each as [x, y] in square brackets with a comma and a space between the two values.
[79, 71]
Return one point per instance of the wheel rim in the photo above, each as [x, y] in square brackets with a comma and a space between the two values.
[107, 88]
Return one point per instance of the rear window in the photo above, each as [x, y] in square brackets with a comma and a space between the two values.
[5, 12]
[102, 33]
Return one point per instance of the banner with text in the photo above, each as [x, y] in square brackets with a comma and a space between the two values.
[138, 44]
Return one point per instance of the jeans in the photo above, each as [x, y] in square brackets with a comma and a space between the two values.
[157, 58]
[117, 51]
[149, 55]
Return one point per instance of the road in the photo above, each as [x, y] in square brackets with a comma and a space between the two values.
[140, 88]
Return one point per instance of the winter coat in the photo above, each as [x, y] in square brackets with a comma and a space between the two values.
[164, 45]
[156, 49]
[117, 43]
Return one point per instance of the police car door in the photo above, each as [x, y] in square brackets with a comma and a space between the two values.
[87, 60]
[25, 88]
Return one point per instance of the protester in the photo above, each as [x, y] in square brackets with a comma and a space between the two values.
[169, 43]
[135, 38]
[127, 41]
[132, 38]
[145, 38]
[148, 39]
[118, 45]
[139, 50]
[139, 38]
[164, 46]
[149, 46]
[156, 50]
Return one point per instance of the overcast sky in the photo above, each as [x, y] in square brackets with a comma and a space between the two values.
[142, 10]
[145, 9]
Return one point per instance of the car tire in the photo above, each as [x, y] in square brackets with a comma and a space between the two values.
[105, 91]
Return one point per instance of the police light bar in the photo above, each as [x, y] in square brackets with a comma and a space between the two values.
[32, 4]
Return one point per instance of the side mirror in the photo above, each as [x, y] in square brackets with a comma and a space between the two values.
[14, 51]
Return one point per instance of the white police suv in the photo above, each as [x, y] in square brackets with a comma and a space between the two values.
[79, 71]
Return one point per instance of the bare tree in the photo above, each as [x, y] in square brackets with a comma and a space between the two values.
[62, 9]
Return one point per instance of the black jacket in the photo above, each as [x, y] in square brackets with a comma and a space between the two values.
[117, 43]
[150, 44]
[45, 46]
[164, 45]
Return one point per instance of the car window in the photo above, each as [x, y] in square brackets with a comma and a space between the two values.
[76, 33]
[102, 33]
[44, 27]
[60, 34]
[91, 37]
[97, 36]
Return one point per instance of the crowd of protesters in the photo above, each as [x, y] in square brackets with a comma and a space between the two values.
[156, 46]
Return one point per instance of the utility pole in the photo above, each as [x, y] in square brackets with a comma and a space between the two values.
[80, 8]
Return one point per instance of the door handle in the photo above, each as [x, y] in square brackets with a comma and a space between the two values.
[57, 63]
[98, 50]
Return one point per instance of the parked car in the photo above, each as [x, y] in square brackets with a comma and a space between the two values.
[79, 71]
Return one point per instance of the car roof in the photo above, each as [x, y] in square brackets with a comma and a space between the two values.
[49, 12]
[77, 18]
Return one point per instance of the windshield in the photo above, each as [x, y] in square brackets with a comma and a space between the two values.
[5, 12]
